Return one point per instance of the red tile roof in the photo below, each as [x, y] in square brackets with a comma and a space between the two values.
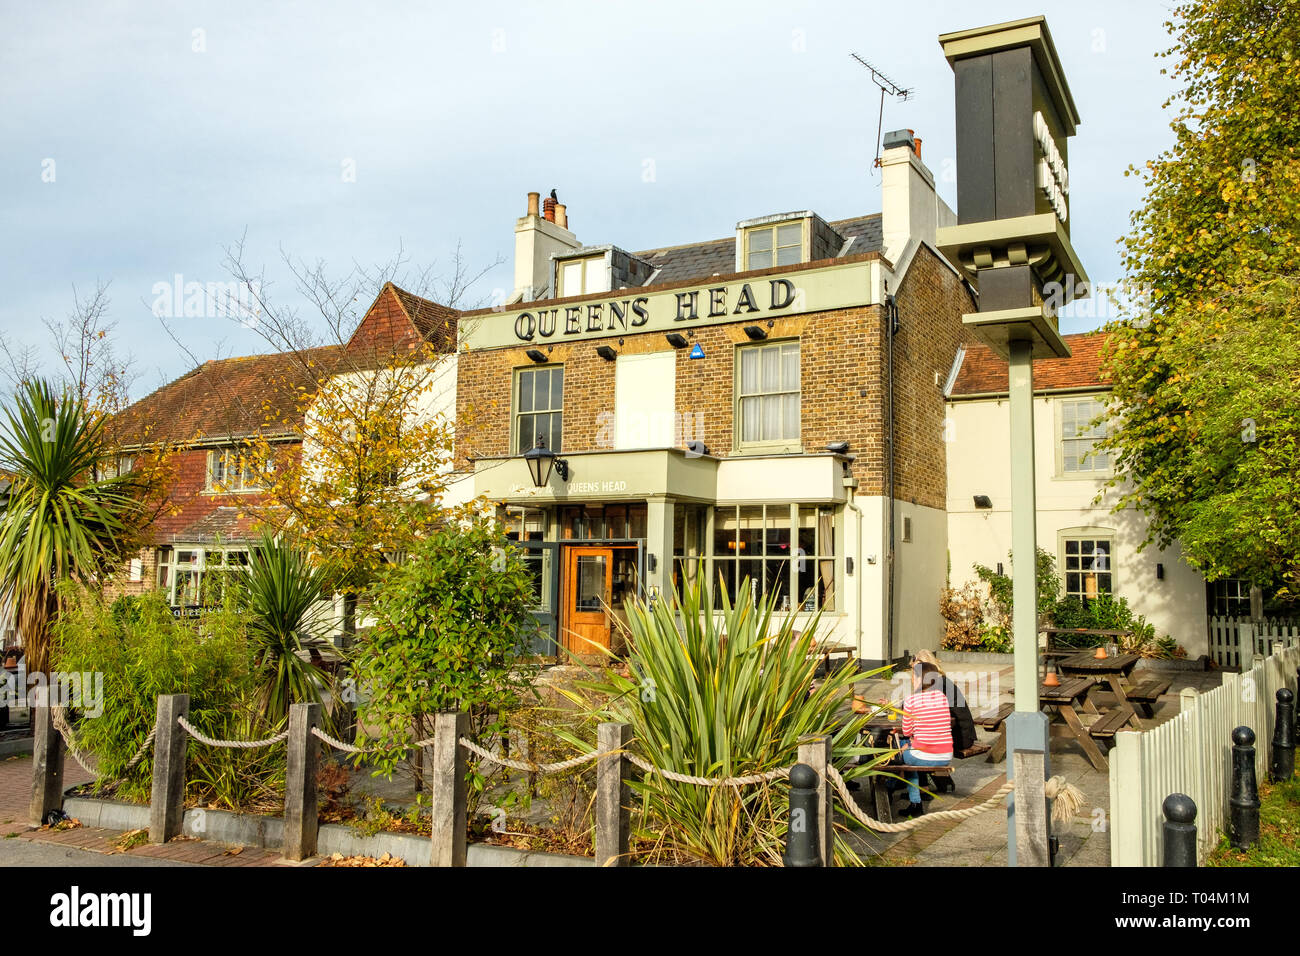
[224, 523]
[983, 373]
[225, 398]
[436, 323]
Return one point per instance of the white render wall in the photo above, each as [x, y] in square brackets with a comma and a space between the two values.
[979, 463]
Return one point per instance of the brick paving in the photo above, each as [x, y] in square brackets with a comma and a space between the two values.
[15, 795]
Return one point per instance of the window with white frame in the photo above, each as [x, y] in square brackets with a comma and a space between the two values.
[1087, 563]
[580, 276]
[198, 575]
[539, 407]
[1079, 436]
[1228, 597]
[767, 395]
[776, 245]
[234, 470]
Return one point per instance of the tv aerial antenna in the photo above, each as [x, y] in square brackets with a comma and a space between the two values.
[887, 86]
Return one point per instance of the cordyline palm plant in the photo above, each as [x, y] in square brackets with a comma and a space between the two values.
[722, 693]
[58, 522]
[282, 592]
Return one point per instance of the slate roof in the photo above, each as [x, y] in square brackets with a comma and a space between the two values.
[701, 260]
[224, 398]
[983, 373]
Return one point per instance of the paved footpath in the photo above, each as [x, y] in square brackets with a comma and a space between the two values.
[23, 845]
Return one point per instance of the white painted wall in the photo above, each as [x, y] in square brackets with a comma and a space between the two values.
[979, 463]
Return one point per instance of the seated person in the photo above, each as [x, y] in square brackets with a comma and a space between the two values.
[927, 726]
[963, 724]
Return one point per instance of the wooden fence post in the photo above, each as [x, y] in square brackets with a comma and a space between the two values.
[300, 812]
[167, 800]
[816, 753]
[47, 757]
[1031, 809]
[613, 796]
[448, 797]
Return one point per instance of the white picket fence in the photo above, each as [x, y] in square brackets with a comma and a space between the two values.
[1236, 642]
[1192, 754]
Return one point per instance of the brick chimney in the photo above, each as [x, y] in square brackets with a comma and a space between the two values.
[537, 238]
[909, 205]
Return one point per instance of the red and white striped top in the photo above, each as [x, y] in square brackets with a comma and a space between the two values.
[926, 721]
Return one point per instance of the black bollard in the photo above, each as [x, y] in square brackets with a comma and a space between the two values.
[1283, 765]
[1244, 802]
[1180, 830]
[801, 844]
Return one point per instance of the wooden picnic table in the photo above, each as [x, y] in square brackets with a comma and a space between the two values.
[1108, 670]
[1064, 703]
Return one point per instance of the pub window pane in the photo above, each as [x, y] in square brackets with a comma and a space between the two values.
[751, 531]
[760, 239]
[768, 390]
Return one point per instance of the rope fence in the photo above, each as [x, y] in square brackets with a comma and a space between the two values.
[449, 846]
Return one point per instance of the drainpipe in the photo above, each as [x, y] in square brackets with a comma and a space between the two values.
[860, 571]
[891, 318]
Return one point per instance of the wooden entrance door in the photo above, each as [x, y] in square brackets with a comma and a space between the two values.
[587, 594]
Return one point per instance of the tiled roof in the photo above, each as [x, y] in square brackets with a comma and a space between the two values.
[983, 373]
[224, 398]
[436, 323]
[225, 523]
[718, 257]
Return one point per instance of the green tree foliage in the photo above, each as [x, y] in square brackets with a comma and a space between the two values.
[1206, 423]
[452, 625]
[143, 652]
[721, 692]
[281, 592]
[58, 522]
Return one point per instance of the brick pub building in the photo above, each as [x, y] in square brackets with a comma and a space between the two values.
[767, 406]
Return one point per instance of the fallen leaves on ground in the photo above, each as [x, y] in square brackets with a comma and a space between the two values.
[338, 859]
[71, 823]
[131, 839]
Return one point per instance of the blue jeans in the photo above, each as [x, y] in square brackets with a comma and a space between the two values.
[910, 757]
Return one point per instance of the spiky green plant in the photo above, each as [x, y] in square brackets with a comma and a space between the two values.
[283, 591]
[720, 693]
[58, 522]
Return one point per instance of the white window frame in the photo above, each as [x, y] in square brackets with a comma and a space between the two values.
[785, 444]
[249, 480]
[168, 565]
[597, 266]
[773, 229]
[1086, 534]
[1087, 470]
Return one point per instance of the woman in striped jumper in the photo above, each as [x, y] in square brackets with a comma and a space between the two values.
[927, 728]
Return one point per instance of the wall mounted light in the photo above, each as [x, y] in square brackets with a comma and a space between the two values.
[983, 501]
[652, 562]
[999, 567]
[676, 340]
[607, 353]
[537, 355]
[848, 565]
[1160, 572]
[755, 333]
[541, 460]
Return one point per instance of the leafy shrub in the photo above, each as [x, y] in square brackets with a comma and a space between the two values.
[143, 652]
[1000, 588]
[451, 625]
[720, 694]
[1106, 612]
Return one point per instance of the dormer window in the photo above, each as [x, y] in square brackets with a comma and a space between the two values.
[580, 276]
[776, 245]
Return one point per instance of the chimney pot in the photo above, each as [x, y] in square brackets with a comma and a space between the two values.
[561, 216]
[548, 209]
[916, 144]
[533, 199]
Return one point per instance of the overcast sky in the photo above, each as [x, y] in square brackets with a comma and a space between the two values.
[142, 138]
